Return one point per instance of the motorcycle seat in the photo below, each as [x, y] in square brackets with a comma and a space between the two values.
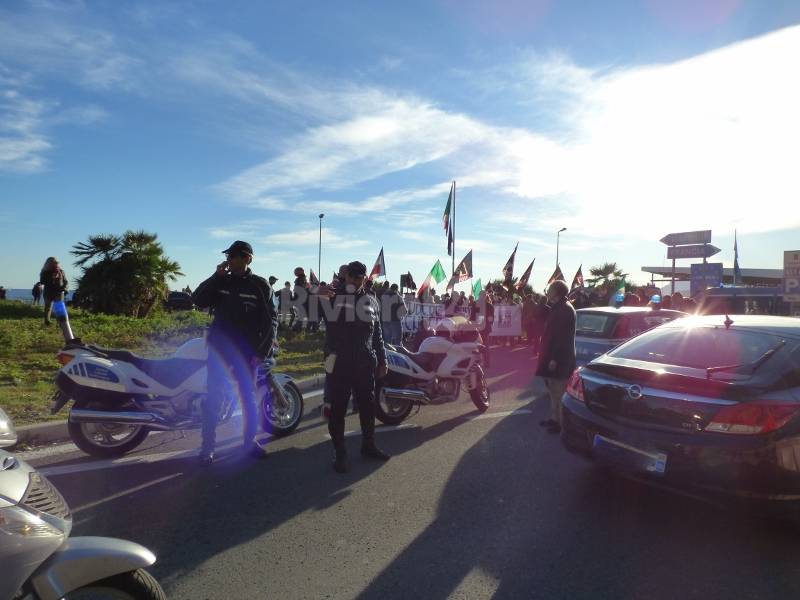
[426, 360]
[169, 372]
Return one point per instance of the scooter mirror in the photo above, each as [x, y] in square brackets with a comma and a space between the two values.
[8, 435]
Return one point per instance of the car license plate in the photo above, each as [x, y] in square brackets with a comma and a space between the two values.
[627, 456]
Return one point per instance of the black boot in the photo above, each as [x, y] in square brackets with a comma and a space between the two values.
[340, 463]
[370, 450]
[256, 450]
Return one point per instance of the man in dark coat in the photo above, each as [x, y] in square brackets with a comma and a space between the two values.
[557, 351]
[354, 358]
[241, 336]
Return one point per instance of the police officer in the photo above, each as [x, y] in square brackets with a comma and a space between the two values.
[241, 336]
[354, 357]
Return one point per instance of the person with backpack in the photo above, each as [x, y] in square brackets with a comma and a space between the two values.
[54, 284]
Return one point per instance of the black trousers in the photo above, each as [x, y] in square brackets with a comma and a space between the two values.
[360, 382]
[229, 371]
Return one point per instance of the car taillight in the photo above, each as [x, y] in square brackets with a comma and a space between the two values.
[575, 385]
[753, 417]
[64, 357]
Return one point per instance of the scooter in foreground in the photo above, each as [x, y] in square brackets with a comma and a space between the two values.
[38, 559]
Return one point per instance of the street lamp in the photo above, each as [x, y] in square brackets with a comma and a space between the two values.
[558, 235]
[319, 255]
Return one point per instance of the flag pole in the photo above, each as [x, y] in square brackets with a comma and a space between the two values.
[453, 229]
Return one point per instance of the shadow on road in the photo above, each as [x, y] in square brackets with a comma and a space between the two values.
[539, 523]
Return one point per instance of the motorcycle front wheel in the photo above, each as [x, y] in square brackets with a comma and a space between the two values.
[106, 440]
[391, 412]
[281, 420]
[480, 395]
[133, 585]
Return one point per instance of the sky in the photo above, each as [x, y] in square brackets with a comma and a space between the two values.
[207, 122]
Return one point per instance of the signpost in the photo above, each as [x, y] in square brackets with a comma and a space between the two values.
[688, 244]
[687, 237]
[693, 251]
[791, 276]
[705, 275]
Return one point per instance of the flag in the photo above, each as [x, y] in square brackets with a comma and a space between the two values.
[450, 242]
[737, 272]
[437, 274]
[425, 287]
[477, 289]
[379, 270]
[446, 225]
[621, 287]
[406, 281]
[508, 270]
[523, 281]
[312, 278]
[557, 274]
[578, 280]
[463, 271]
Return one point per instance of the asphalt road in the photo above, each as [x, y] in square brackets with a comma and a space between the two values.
[469, 506]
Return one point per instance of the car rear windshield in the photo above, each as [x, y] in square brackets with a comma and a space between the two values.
[700, 347]
[591, 324]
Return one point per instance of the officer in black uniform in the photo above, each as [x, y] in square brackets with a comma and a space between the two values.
[241, 336]
[354, 357]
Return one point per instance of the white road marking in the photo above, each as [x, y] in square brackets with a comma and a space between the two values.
[498, 415]
[124, 493]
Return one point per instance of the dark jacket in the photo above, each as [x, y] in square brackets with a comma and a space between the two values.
[558, 342]
[394, 306]
[54, 282]
[244, 311]
[353, 333]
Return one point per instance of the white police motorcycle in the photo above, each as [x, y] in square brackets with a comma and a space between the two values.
[445, 362]
[38, 559]
[119, 396]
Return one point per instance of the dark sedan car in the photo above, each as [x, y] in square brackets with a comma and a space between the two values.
[712, 403]
[602, 328]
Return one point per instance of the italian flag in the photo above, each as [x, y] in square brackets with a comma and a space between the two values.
[437, 274]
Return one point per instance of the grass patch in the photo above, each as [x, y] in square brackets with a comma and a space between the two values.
[28, 350]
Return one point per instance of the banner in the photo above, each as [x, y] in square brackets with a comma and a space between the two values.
[507, 317]
[433, 313]
[507, 320]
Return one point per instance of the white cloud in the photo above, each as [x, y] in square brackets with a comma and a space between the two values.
[310, 237]
[703, 142]
[22, 141]
[57, 39]
[696, 143]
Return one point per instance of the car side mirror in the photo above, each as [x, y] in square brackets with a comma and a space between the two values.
[8, 435]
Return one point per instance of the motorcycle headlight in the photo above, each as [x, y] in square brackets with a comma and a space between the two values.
[16, 521]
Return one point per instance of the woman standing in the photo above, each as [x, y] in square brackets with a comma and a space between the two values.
[55, 284]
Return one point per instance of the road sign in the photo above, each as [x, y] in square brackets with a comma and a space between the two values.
[687, 237]
[705, 275]
[791, 276]
[693, 251]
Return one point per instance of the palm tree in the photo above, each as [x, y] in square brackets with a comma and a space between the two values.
[124, 275]
[608, 276]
